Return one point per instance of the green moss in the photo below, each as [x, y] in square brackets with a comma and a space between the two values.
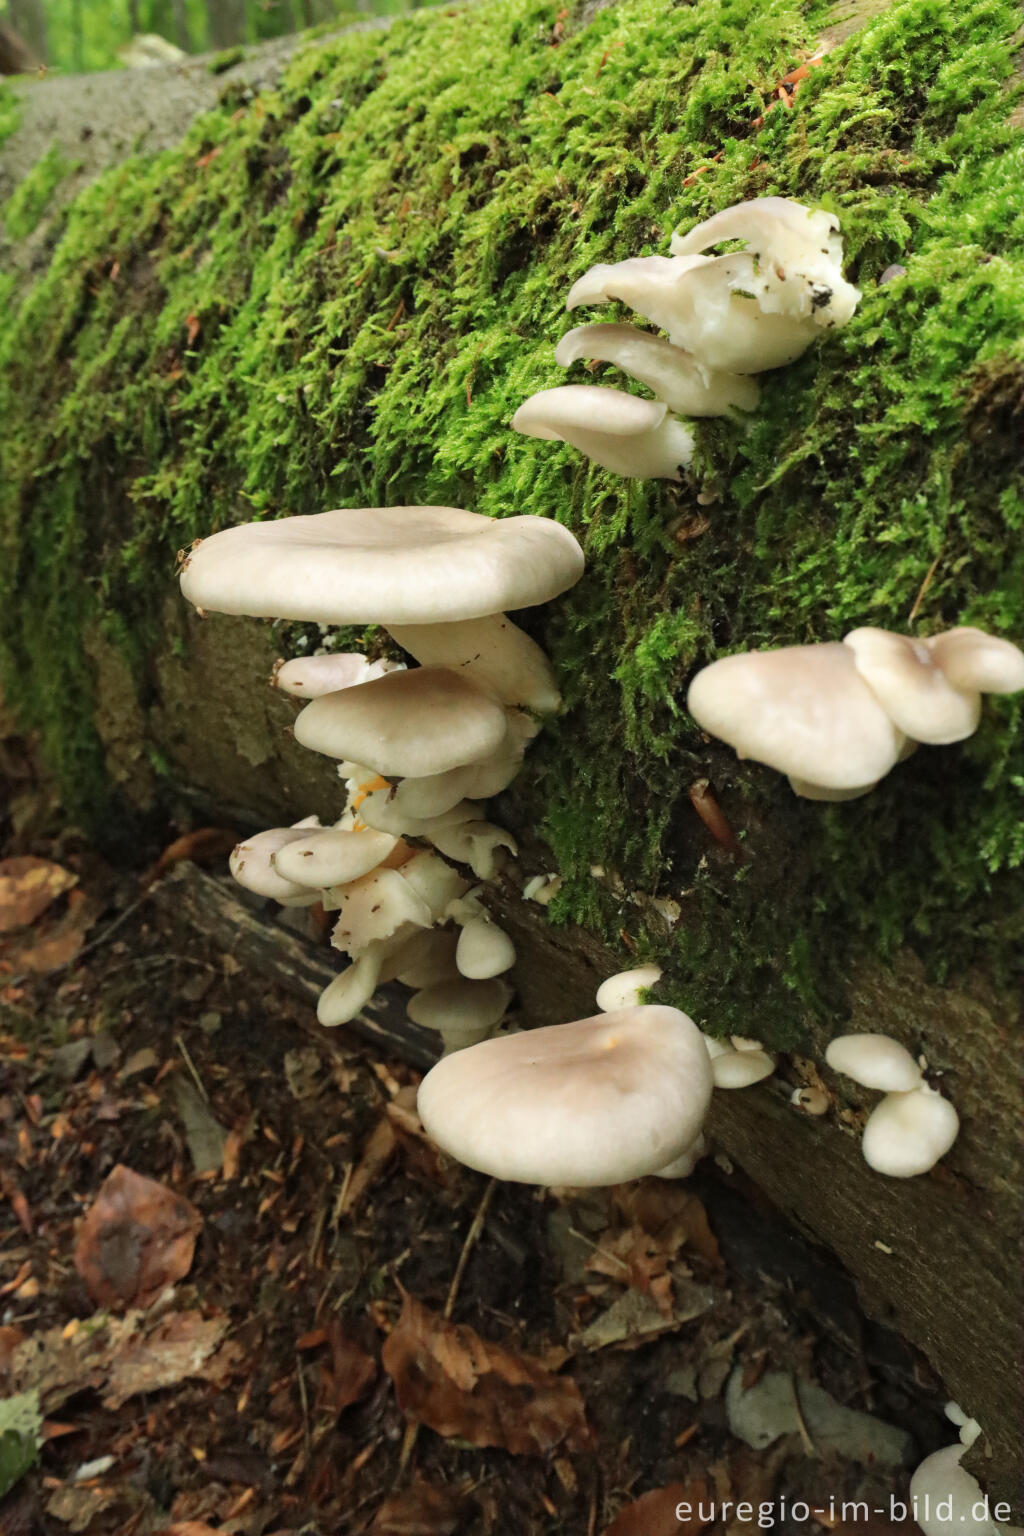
[30, 199]
[338, 293]
[10, 111]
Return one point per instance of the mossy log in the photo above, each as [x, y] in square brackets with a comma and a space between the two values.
[335, 289]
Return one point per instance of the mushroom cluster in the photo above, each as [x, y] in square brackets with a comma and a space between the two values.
[727, 316]
[837, 717]
[913, 1126]
[419, 747]
[945, 1500]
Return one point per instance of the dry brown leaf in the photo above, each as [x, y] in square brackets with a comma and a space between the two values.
[76, 1505]
[59, 945]
[187, 1528]
[27, 887]
[351, 1373]
[450, 1379]
[671, 1214]
[378, 1149]
[654, 1513]
[422, 1510]
[180, 1345]
[202, 846]
[137, 1239]
[634, 1258]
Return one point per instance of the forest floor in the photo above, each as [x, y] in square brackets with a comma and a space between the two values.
[292, 1315]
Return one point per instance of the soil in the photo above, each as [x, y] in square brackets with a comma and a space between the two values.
[326, 1205]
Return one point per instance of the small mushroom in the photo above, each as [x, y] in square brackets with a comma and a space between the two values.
[741, 1069]
[674, 376]
[907, 1133]
[308, 677]
[252, 864]
[331, 857]
[973, 660]
[408, 723]
[484, 950]
[594, 1102]
[875, 1061]
[474, 843]
[633, 437]
[906, 679]
[463, 1011]
[492, 652]
[623, 990]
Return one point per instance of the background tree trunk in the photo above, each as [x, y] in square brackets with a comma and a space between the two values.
[189, 725]
[15, 57]
[227, 22]
[28, 18]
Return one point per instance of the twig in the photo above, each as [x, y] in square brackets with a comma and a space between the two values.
[183, 1048]
[412, 1429]
[472, 1237]
[304, 1399]
[919, 599]
[810, 1449]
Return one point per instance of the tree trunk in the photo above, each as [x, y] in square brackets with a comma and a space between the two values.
[15, 56]
[28, 18]
[319, 313]
[227, 22]
[182, 36]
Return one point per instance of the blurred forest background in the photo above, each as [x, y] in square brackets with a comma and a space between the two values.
[76, 35]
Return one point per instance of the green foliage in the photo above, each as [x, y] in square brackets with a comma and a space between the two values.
[10, 112]
[31, 197]
[20, 1437]
[337, 294]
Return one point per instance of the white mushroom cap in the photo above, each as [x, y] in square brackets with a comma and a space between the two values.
[474, 843]
[461, 1007]
[331, 857]
[912, 688]
[973, 660]
[492, 652]
[803, 709]
[427, 958]
[307, 677]
[876, 1061]
[702, 302]
[382, 565]
[908, 1132]
[430, 796]
[374, 907]
[675, 376]
[408, 723]
[595, 1102]
[349, 993]
[632, 437]
[252, 864]
[434, 881]
[741, 1069]
[808, 791]
[484, 950]
[795, 255]
[946, 1499]
[383, 810]
[683, 1165]
[624, 988]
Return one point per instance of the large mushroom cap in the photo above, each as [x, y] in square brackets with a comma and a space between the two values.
[595, 1102]
[803, 709]
[381, 565]
[407, 723]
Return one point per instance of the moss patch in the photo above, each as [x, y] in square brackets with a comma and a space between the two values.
[30, 199]
[338, 293]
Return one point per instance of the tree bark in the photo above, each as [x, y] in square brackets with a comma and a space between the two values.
[28, 18]
[15, 56]
[227, 22]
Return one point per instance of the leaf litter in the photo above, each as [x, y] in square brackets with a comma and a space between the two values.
[286, 1333]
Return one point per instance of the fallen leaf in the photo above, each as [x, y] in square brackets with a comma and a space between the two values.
[27, 887]
[450, 1379]
[180, 1345]
[670, 1214]
[654, 1513]
[76, 1505]
[379, 1147]
[12, 1191]
[206, 1137]
[59, 946]
[137, 1239]
[187, 1528]
[422, 1510]
[351, 1373]
[202, 846]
